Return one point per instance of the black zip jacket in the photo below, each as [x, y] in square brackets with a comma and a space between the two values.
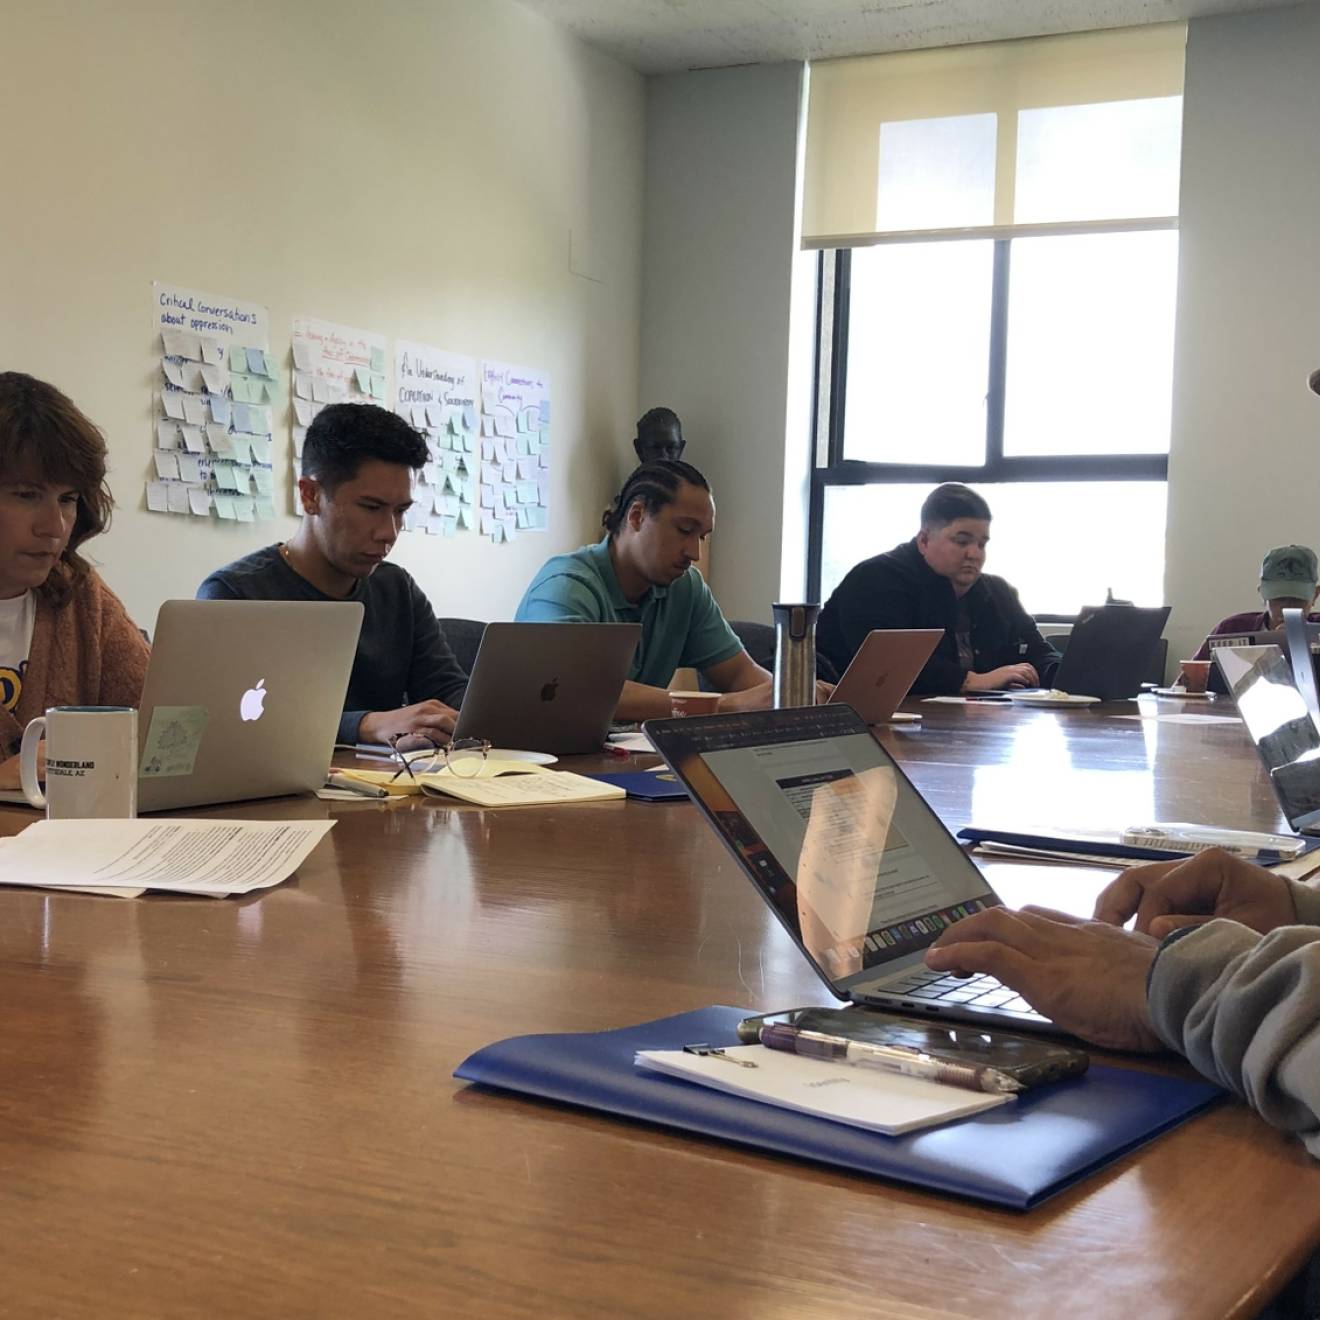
[899, 590]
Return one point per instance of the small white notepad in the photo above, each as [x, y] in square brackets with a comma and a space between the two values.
[861, 1097]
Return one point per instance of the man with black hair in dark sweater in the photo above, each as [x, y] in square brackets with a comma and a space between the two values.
[358, 466]
[935, 580]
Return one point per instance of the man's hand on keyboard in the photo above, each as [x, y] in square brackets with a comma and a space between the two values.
[1088, 977]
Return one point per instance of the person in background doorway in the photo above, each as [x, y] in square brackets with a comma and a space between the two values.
[659, 437]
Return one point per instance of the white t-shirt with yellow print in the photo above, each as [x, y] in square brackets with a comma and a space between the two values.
[17, 617]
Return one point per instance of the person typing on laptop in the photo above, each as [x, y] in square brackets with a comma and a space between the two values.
[65, 638]
[1288, 581]
[358, 466]
[1223, 966]
[936, 580]
[643, 571]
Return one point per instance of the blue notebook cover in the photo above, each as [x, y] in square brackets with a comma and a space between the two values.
[649, 786]
[1015, 1155]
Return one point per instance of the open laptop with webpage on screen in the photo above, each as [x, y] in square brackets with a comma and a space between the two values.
[850, 858]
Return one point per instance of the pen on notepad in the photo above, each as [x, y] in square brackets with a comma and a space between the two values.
[891, 1058]
[349, 785]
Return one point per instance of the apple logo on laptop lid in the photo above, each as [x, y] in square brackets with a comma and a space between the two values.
[549, 690]
[252, 703]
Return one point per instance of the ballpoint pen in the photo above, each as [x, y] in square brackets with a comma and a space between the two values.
[891, 1058]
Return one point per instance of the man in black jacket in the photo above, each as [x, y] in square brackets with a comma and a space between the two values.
[935, 581]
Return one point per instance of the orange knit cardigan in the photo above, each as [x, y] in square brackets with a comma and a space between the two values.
[86, 652]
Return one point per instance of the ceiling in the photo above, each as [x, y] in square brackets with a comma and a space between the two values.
[668, 36]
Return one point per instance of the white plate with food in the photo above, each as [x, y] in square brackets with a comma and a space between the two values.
[1050, 697]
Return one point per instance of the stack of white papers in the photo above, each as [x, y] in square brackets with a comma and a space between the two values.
[125, 858]
[868, 1098]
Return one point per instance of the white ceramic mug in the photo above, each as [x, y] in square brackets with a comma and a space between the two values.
[91, 762]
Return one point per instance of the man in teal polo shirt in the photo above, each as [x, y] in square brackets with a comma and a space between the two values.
[643, 572]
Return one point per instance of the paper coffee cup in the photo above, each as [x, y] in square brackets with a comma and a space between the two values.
[1196, 673]
[682, 704]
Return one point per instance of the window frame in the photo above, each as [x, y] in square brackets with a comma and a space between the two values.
[830, 468]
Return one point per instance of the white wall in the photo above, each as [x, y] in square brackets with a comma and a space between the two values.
[718, 270]
[1243, 473]
[411, 168]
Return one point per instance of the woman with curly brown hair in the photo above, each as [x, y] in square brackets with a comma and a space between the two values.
[65, 638]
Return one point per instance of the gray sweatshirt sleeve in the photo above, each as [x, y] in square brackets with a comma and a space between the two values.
[1245, 1010]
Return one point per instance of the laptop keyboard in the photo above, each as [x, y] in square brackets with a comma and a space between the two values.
[974, 991]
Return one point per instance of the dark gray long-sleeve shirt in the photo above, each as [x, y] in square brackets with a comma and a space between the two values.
[402, 656]
[1245, 1010]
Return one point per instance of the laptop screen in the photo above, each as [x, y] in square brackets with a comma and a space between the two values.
[1261, 681]
[847, 853]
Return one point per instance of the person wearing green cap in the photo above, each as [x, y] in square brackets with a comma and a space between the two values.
[1288, 581]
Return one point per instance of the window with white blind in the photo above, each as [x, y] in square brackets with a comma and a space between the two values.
[997, 228]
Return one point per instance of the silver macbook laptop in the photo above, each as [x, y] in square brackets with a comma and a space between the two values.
[242, 699]
[1281, 724]
[1265, 637]
[849, 856]
[547, 687]
[883, 670]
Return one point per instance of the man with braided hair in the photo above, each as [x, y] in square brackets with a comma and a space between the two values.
[643, 571]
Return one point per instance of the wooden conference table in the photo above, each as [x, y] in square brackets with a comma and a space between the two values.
[238, 1108]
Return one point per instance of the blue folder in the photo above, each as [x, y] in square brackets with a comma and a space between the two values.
[1100, 848]
[1015, 1155]
[647, 785]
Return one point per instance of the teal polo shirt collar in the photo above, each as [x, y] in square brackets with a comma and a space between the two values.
[604, 566]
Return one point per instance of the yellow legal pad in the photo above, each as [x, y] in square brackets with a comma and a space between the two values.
[498, 784]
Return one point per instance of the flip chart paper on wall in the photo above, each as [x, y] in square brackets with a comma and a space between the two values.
[432, 386]
[214, 350]
[332, 363]
[515, 406]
